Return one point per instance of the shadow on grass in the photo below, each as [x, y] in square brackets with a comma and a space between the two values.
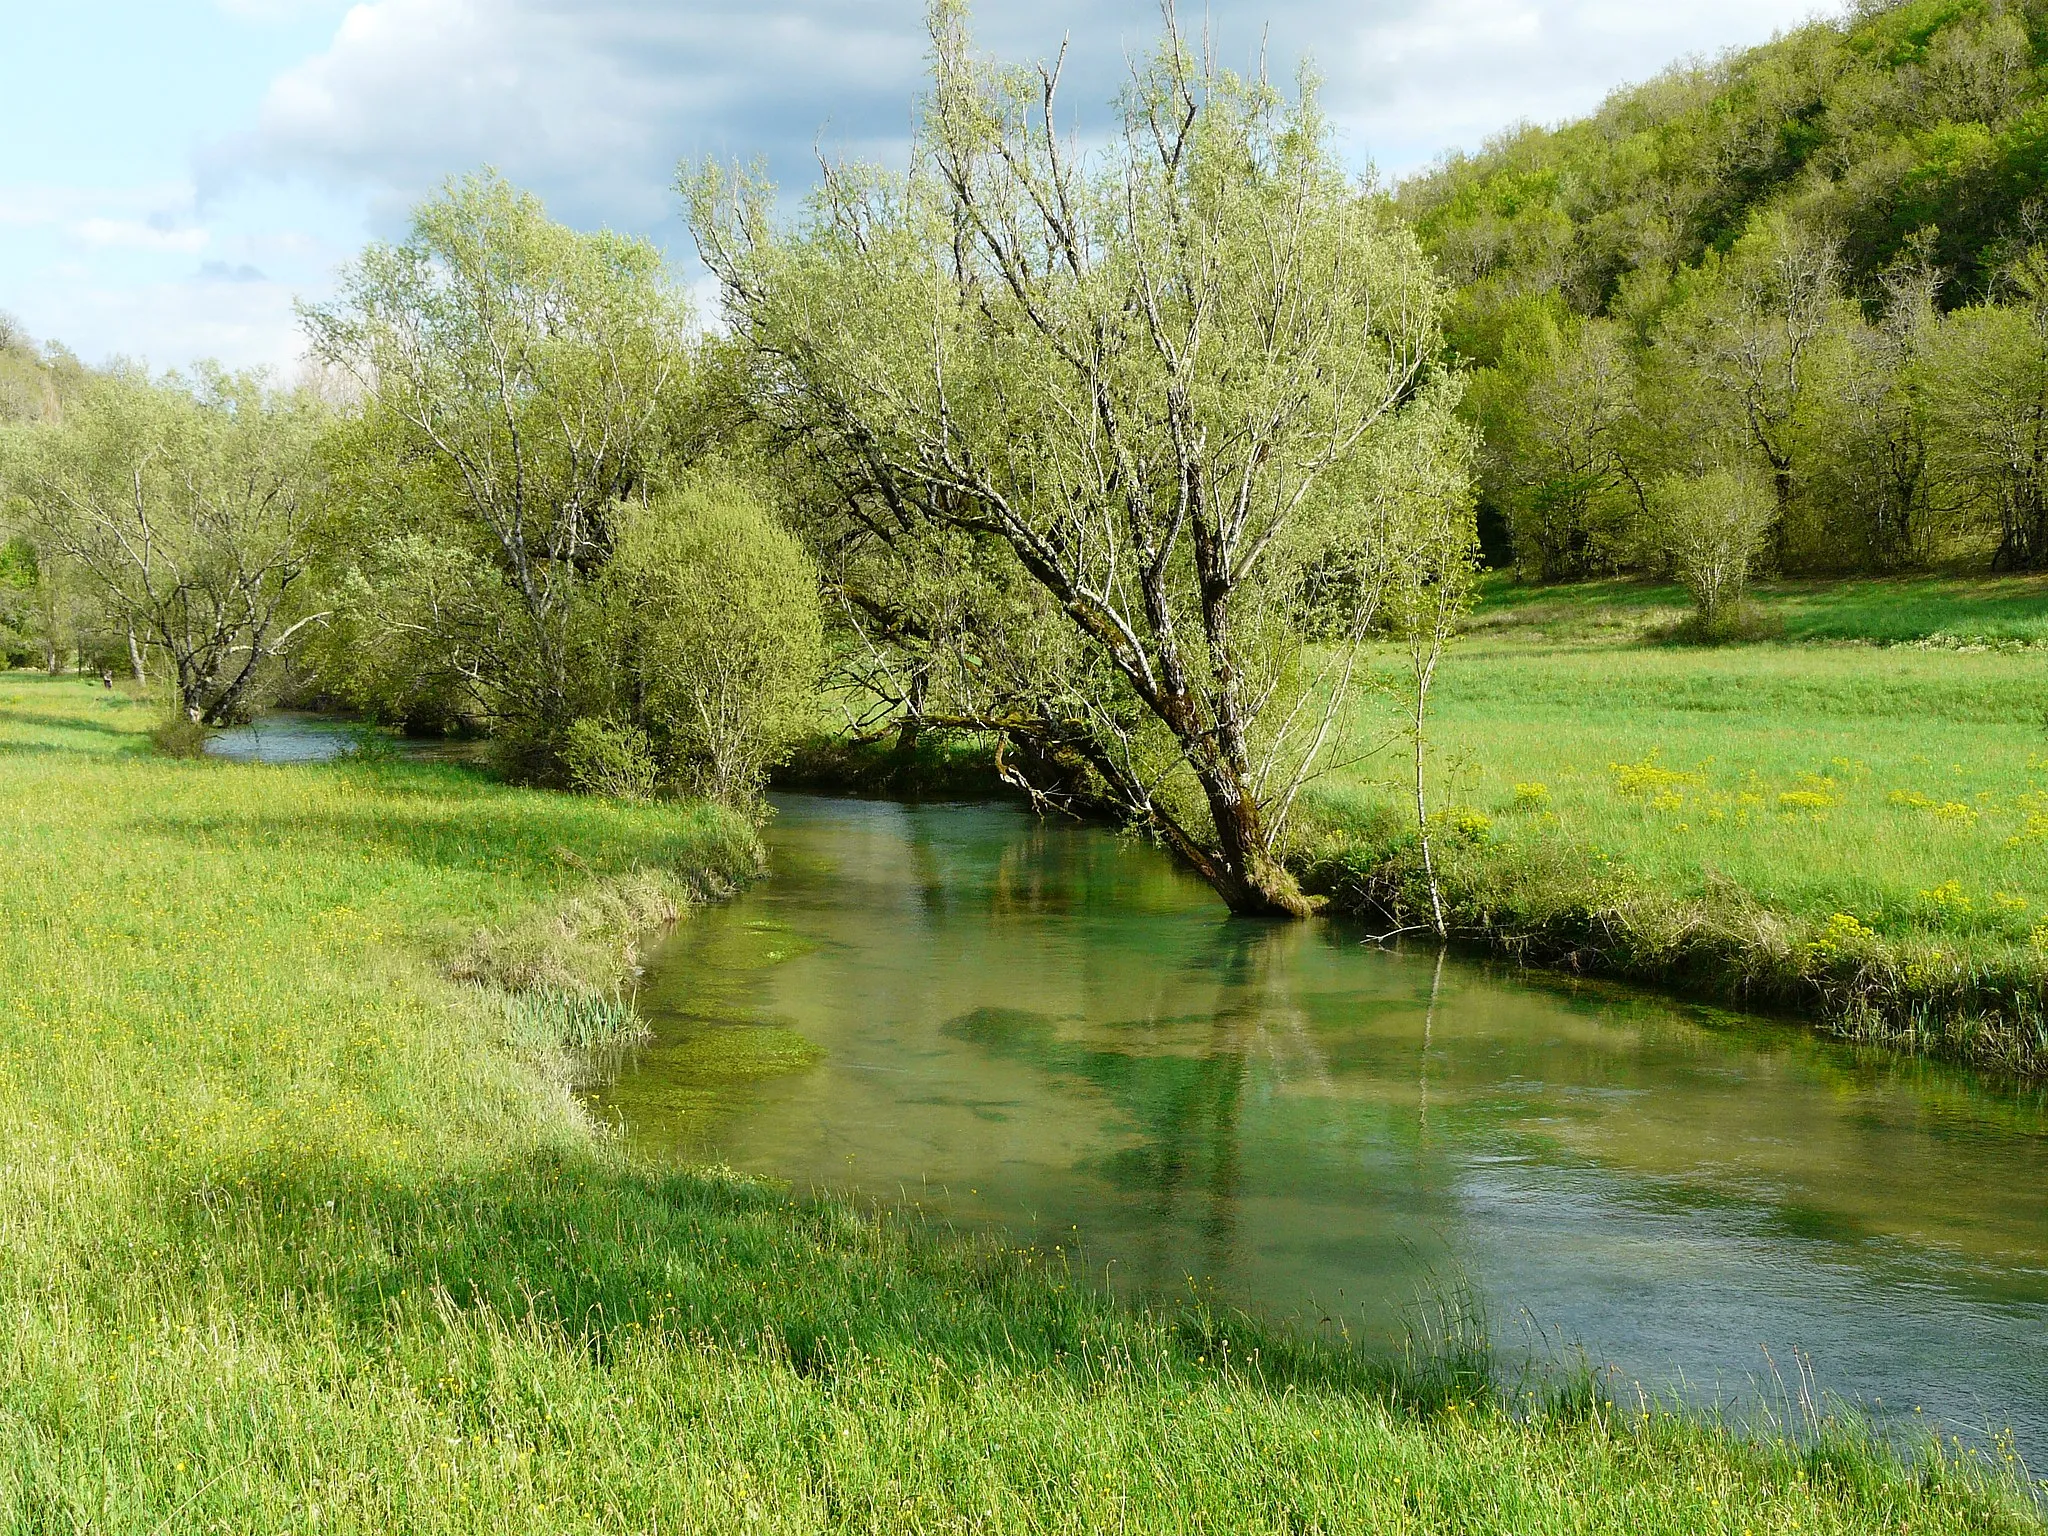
[594, 1250]
[41, 721]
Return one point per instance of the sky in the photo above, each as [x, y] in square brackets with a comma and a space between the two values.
[174, 174]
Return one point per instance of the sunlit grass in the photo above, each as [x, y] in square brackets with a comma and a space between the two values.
[300, 1234]
[1948, 611]
[1854, 802]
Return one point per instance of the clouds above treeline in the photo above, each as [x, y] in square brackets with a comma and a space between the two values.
[187, 210]
[593, 102]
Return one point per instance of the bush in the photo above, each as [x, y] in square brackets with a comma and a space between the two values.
[179, 737]
[1735, 623]
[716, 605]
[1710, 527]
[611, 758]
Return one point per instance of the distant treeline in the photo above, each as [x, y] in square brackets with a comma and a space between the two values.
[1817, 264]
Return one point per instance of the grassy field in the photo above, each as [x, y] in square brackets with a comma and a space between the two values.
[1943, 611]
[301, 1233]
[1853, 831]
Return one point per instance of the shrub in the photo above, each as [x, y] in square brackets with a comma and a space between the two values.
[611, 758]
[717, 607]
[1710, 527]
[179, 737]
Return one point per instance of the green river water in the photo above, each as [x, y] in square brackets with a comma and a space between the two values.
[1051, 1029]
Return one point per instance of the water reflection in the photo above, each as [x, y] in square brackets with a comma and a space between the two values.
[294, 736]
[1051, 1028]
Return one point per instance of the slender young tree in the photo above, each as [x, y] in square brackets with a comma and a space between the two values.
[1750, 334]
[1112, 418]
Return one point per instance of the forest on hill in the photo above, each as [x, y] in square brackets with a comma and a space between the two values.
[1809, 270]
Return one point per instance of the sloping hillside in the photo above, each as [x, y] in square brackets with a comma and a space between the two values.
[1906, 130]
[1788, 310]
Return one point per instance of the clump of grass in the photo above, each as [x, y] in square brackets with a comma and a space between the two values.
[177, 736]
[583, 947]
[1945, 611]
[538, 1021]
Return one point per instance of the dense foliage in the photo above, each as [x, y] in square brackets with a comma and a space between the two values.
[1106, 439]
[1819, 260]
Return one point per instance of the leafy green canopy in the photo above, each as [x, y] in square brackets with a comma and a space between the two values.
[710, 634]
[1101, 439]
[520, 381]
[186, 511]
[1908, 129]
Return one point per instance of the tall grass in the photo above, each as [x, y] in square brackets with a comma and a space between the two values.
[299, 1234]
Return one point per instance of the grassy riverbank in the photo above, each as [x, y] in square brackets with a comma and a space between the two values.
[301, 1234]
[1854, 832]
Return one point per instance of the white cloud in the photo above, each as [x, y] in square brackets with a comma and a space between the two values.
[164, 206]
[593, 101]
[140, 235]
[1457, 72]
[244, 324]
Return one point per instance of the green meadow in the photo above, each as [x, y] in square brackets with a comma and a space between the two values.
[1849, 830]
[303, 1231]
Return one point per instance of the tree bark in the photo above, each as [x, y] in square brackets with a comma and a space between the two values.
[1250, 880]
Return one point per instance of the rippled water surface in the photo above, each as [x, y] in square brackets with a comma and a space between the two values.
[1053, 1029]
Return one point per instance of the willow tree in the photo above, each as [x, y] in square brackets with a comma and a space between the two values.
[1105, 431]
[184, 512]
[518, 376]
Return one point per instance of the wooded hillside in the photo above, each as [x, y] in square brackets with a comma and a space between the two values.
[1811, 257]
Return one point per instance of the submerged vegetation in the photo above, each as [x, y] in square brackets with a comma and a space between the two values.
[307, 1239]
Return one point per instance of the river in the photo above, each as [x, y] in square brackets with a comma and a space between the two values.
[1052, 1030]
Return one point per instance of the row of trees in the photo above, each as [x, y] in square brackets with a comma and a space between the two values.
[485, 510]
[1886, 433]
[1816, 264]
[1117, 456]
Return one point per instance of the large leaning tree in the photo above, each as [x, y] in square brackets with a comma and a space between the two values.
[1117, 448]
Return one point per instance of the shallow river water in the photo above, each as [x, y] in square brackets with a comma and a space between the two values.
[295, 736]
[1051, 1029]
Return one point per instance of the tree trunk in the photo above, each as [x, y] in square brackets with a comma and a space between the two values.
[1250, 880]
[1781, 526]
[135, 658]
[913, 718]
